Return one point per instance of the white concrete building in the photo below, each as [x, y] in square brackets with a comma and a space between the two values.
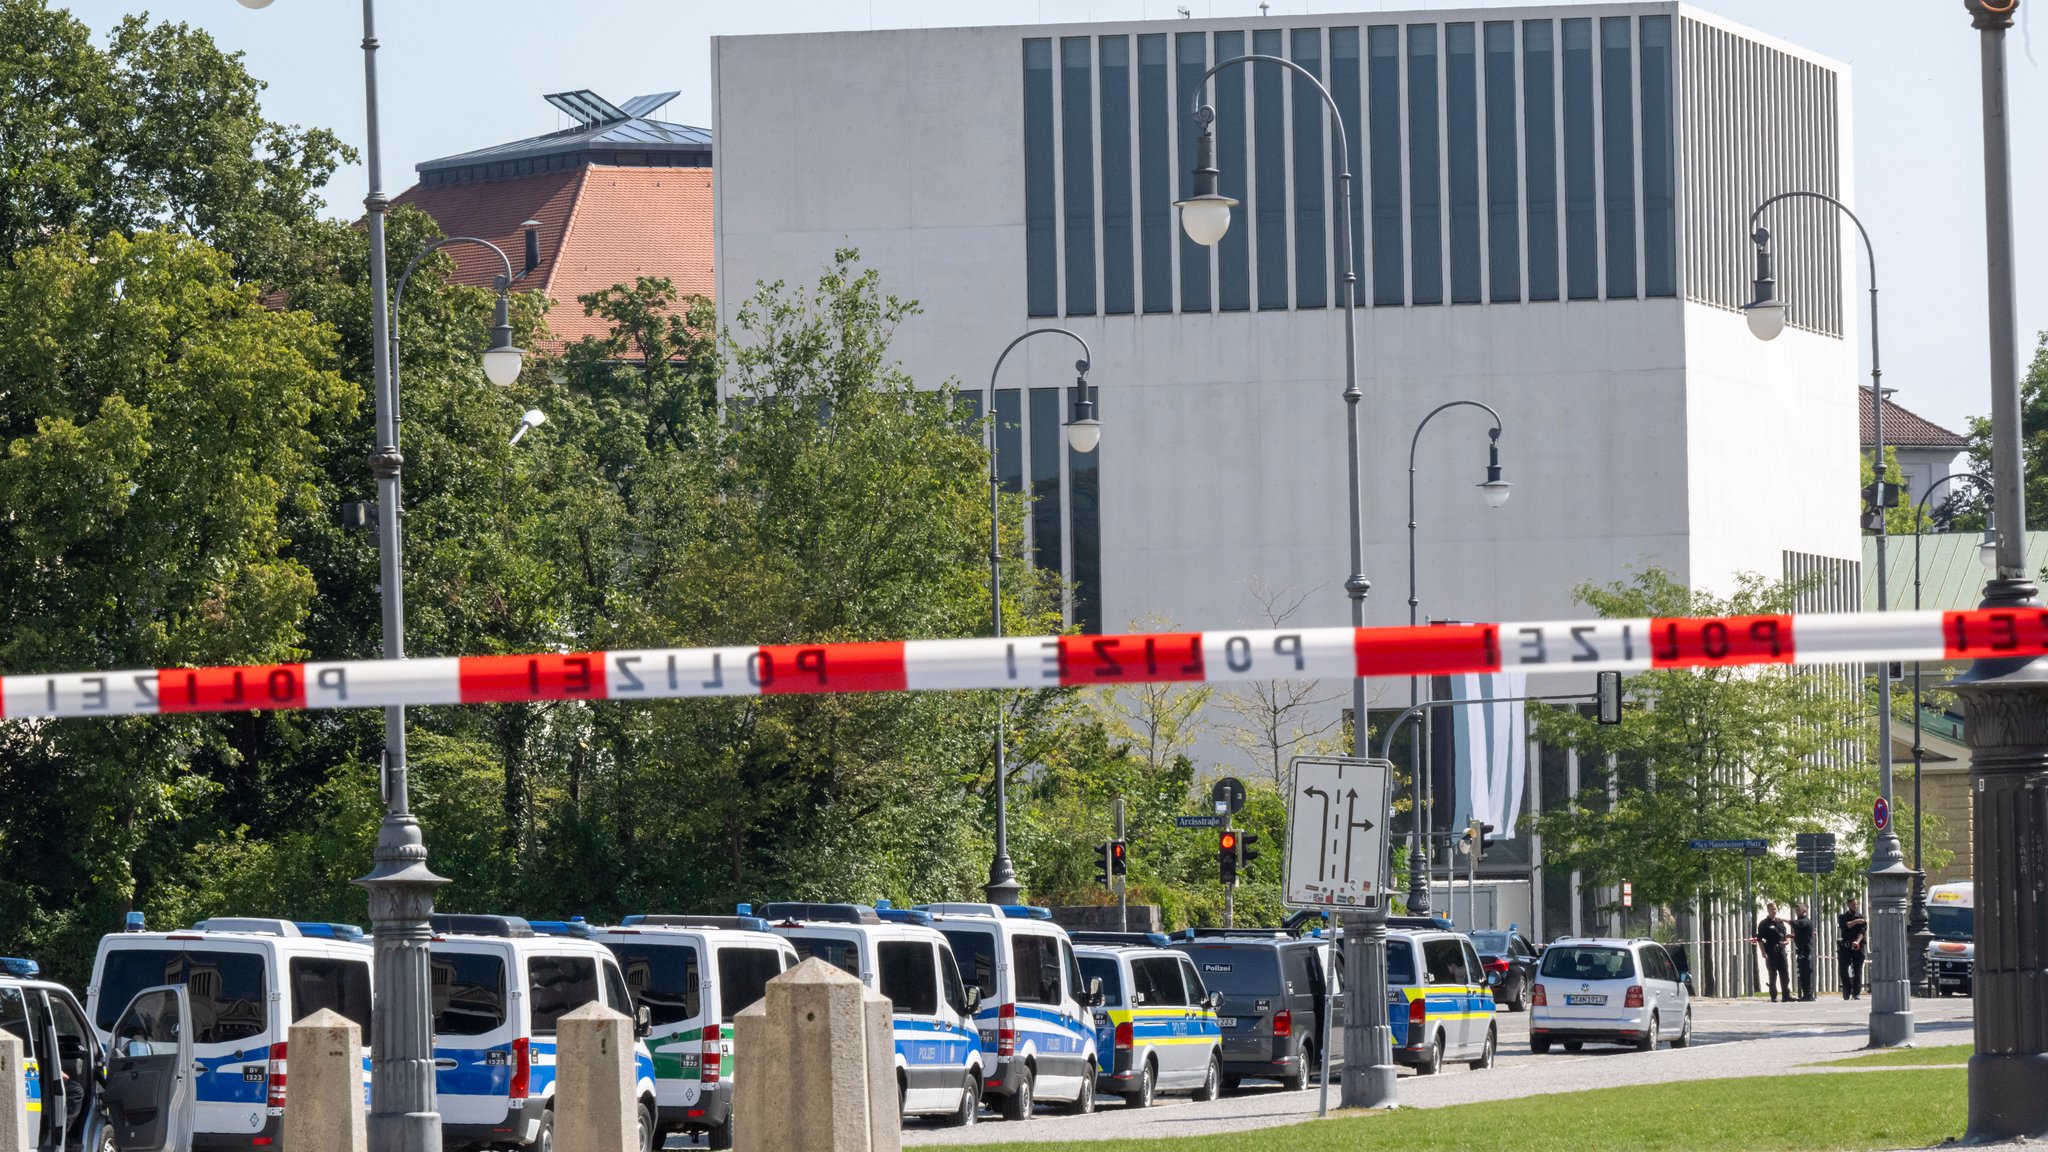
[1550, 216]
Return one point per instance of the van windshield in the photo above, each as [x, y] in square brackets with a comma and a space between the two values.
[1238, 970]
[1572, 962]
[976, 953]
[229, 993]
[1950, 922]
[743, 976]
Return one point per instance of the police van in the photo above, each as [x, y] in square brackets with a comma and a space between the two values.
[1036, 1015]
[499, 991]
[1156, 1029]
[693, 974]
[1952, 954]
[59, 1054]
[897, 953]
[246, 981]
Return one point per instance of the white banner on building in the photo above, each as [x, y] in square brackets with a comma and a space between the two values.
[1491, 743]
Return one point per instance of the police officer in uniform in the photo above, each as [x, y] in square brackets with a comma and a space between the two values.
[1853, 928]
[1802, 947]
[1771, 935]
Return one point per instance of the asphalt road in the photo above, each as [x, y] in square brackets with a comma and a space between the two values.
[1730, 1038]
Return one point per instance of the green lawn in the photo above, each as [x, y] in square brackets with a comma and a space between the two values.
[1842, 1112]
[1894, 1057]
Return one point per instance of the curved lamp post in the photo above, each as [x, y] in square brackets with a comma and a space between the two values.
[1917, 934]
[1495, 490]
[1369, 1073]
[1891, 1000]
[1084, 431]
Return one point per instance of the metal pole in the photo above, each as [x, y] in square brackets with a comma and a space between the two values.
[401, 887]
[1003, 886]
[1123, 909]
[2006, 700]
[1325, 1019]
[1230, 889]
[1748, 924]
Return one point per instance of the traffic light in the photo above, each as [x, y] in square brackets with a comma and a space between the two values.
[1247, 850]
[1116, 857]
[1108, 858]
[1474, 839]
[1226, 856]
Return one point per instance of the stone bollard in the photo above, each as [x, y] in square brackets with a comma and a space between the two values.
[325, 1110]
[820, 1067]
[14, 1135]
[595, 1110]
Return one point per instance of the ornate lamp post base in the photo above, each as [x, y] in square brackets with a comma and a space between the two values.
[401, 888]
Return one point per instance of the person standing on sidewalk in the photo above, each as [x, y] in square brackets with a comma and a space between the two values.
[1771, 935]
[1802, 947]
[1853, 927]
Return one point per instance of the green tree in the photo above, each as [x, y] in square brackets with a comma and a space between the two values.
[1734, 753]
[1966, 511]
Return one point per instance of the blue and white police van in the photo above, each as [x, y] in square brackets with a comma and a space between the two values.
[246, 980]
[898, 953]
[1036, 1015]
[499, 990]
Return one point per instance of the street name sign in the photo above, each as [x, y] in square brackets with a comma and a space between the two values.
[1198, 821]
[1746, 847]
[1336, 832]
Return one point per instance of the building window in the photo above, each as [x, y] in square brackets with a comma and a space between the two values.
[1461, 114]
[1191, 58]
[1311, 223]
[1503, 230]
[1046, 437]
[1425, 170]
[1010, 439]
[1155, 175]
[1041, 256]
[1618, 134]
[1539, 154]
[1085, 516]
[1344, 89]
[1383, 45]
[1581, 207]
[1233, 255]
[1117, 289]
[1269, 190]
[1660, 179]
[1077, 146]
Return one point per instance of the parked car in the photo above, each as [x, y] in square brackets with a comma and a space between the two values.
[1156, 1027]
[1438, 1004]
[60, 1055]
[1608, 991]
[1275, 988]
[1510, 961]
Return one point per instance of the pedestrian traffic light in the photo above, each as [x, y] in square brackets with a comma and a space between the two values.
[1474, 839]
[1247, 850]
[1116, 857]
[1107, 856]
[1226, 856]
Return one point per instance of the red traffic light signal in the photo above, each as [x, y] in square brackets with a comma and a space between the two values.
[1226, 856]
[1116, 857]
[1226, 841]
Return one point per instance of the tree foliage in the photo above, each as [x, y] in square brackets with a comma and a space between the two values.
[1965, 510]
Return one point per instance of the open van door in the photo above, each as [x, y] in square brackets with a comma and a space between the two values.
[147, 1095]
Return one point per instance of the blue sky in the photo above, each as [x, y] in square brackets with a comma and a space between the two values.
[462, 74]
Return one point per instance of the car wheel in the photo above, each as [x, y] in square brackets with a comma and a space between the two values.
[1649, 1041]
[1485, 1060]
[1299, 1080]
[970, 1103]
[1574, 1045]
[1435, 1063]
[1520, 1003]
[648, 1138]
[1212, 1082]
[720, 1137]
[105, 1143]
[1141, 1096]
[1020, 1103]
[1684, 1037]
[1084, 1100]
[545, 1141]
[1539, 1046]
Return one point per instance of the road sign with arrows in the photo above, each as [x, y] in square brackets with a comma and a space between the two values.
[1336, 832]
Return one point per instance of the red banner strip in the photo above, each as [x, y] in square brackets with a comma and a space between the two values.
[1995, 633]
[1136, 658]
[231, 689]
[1720, 642]
[1437, 650]
[550, 676]
[795, 669]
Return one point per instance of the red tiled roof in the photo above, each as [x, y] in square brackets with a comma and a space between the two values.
[599, 226]
[1903, 429]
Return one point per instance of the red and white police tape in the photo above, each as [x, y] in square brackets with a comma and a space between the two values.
[1042, 662]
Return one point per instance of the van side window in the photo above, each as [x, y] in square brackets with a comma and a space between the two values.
[1197, 991]
[1159, 978]
[1444, 960]
[469, 993]
[1035, 964]
[841, 954]
[557, 986]
[664, 977]
[1474, 970]
[1075, 987]
[14, 1018]
[615, 994]
[1103, 968]
[907, 976]
[956, 993]
[341, 985]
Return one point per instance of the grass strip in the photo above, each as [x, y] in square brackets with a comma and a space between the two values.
[1841, 1113]
[1896, 1057]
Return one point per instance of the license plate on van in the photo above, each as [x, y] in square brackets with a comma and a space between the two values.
[1587, 1000]
[1226, 1021]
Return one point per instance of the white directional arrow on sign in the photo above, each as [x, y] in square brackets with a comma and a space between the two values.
[1336, 851]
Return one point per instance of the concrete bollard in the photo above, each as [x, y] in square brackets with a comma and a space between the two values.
[820, 1068]
[324, 1106]
[14, 1134]
[594, 1106]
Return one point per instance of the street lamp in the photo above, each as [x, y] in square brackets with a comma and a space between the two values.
[1495, 490]
[1891, 1000]
[1205, 217]
[1917, 934]
[1083, 432]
